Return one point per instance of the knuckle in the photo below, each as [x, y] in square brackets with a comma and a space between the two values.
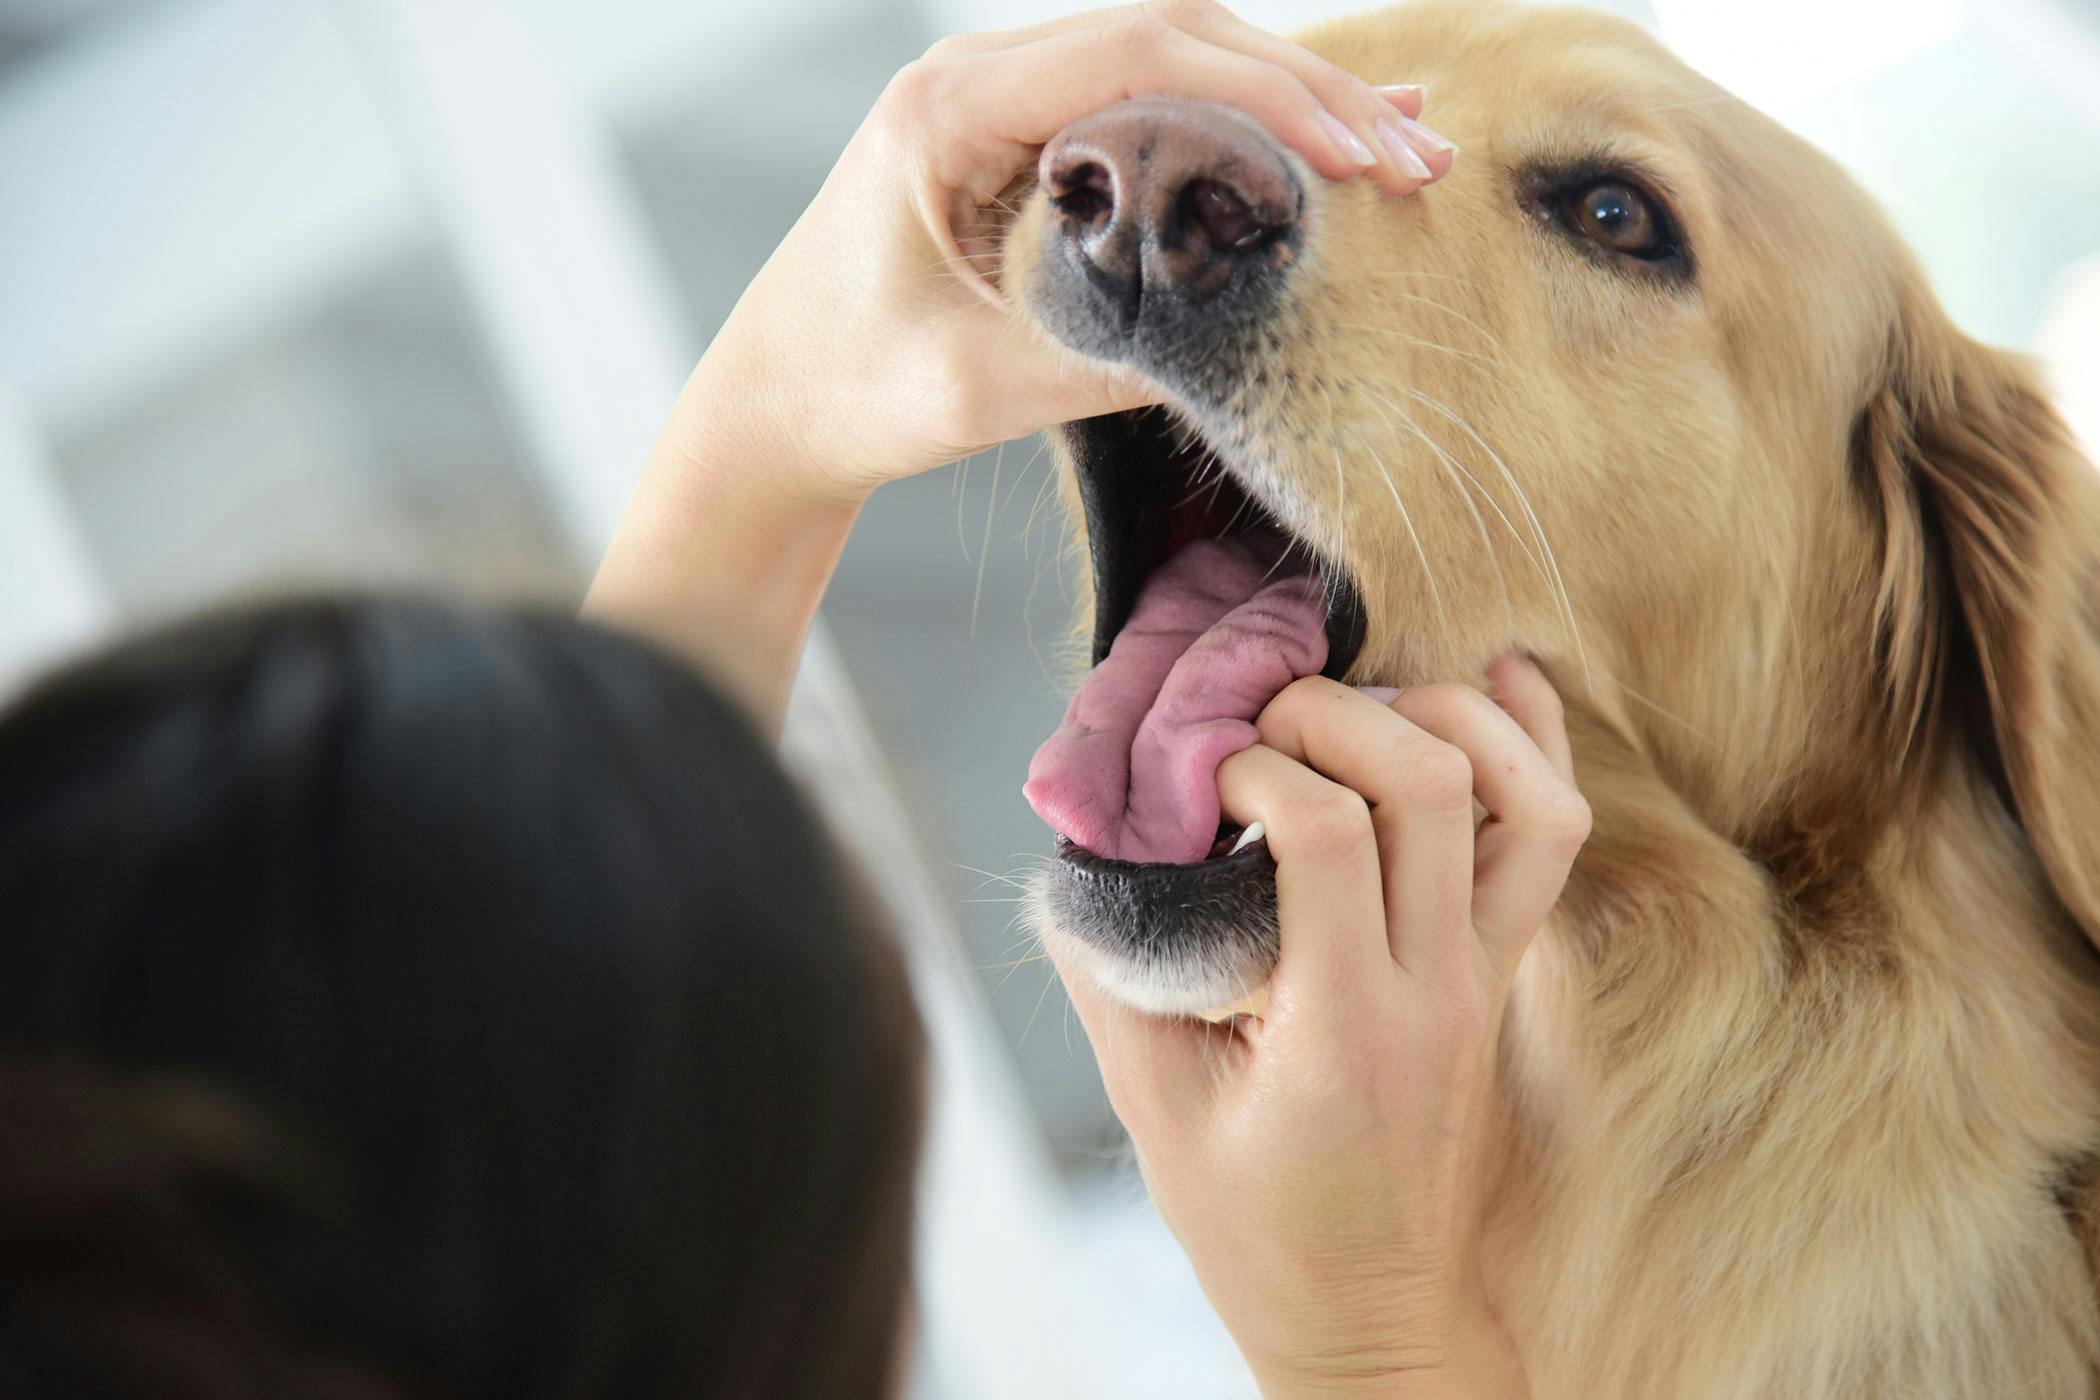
[919, 85]
[1437, 775]
[1298, 92]
[1334, 78]
[1332, 818]
[1297, 701]
[1454, 701]
[1567, 819]
[1183, 14]
[1462, 1015]
[1146, 32]
[953, 46]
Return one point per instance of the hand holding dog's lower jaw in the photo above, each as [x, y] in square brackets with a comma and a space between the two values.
[1328, 1166]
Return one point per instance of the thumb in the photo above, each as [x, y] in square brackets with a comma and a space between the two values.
[1046, 383]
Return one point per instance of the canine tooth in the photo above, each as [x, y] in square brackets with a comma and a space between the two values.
[1248, 837]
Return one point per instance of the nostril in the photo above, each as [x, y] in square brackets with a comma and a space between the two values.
[1225, 218]
[1084, 193]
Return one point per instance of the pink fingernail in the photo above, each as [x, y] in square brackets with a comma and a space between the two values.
[1383, 694]
[1400, 92]
[1423, 136]
[1406, 159]
[1346, 141]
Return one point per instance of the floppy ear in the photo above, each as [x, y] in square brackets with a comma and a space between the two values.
[1988, 605]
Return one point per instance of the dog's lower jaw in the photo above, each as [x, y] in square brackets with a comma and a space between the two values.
[1219, 975]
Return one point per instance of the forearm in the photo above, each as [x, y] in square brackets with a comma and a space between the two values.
[724, 553]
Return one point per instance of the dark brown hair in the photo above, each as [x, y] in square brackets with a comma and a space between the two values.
[403, 1001]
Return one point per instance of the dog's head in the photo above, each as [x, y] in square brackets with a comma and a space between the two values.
[1645, 386]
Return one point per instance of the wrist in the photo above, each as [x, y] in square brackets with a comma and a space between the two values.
[1474, 1359]
[825, 409]
[737, 437]
[729, 540]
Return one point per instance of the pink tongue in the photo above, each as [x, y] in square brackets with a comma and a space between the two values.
[1131, 774]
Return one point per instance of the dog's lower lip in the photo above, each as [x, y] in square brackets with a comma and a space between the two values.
[1254, 853]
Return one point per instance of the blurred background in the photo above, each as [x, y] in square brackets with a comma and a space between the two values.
[299, 292]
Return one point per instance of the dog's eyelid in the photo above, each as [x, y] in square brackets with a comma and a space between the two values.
[1590, 167]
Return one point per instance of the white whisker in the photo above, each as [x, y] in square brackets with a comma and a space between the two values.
[1450, 311]
[1515, 534]
[1416, 340]
[984, 546]
[1487, 545]
[1667, 714]
[1048, 983]
[1539, 530]
[1435, 597]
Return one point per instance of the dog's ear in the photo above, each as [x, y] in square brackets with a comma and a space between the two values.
[1988, 601]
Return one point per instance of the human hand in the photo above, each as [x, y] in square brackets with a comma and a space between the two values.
[1327, 1164]
[877, 338]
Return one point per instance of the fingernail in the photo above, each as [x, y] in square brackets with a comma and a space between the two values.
[1422, 135]
[1400, 92]
[1347, 141]
[1383, 694]
[1406, 159]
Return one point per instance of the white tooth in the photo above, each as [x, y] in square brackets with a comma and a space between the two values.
[1248, 837]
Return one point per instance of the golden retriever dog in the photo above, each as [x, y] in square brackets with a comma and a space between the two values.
[1805, 1072]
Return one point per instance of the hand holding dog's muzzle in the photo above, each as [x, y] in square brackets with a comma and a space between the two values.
[876, 342]
[882, 310]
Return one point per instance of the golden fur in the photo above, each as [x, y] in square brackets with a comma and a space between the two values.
[1806, 1072]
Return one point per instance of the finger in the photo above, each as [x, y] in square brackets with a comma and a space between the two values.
[1051, 383]
[959, 45]
[1420, 793]
[1329, 905]
[1153, 1067]
[1512, 777]
[1343, 92]
[1406, 98]
[1143, 57]
[1536, 820]
[1411, 155]
[1521, 688]
[1436, 148]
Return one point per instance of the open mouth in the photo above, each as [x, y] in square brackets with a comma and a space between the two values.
[1206, 607]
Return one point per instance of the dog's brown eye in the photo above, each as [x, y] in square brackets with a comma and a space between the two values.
[1618, 217]
[1614, 214]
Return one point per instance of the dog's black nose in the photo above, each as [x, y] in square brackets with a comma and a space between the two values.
[1162, 195]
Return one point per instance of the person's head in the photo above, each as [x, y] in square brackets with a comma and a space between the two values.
[403, 1001]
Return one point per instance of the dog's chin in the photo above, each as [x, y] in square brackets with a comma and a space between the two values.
[1172, 940]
